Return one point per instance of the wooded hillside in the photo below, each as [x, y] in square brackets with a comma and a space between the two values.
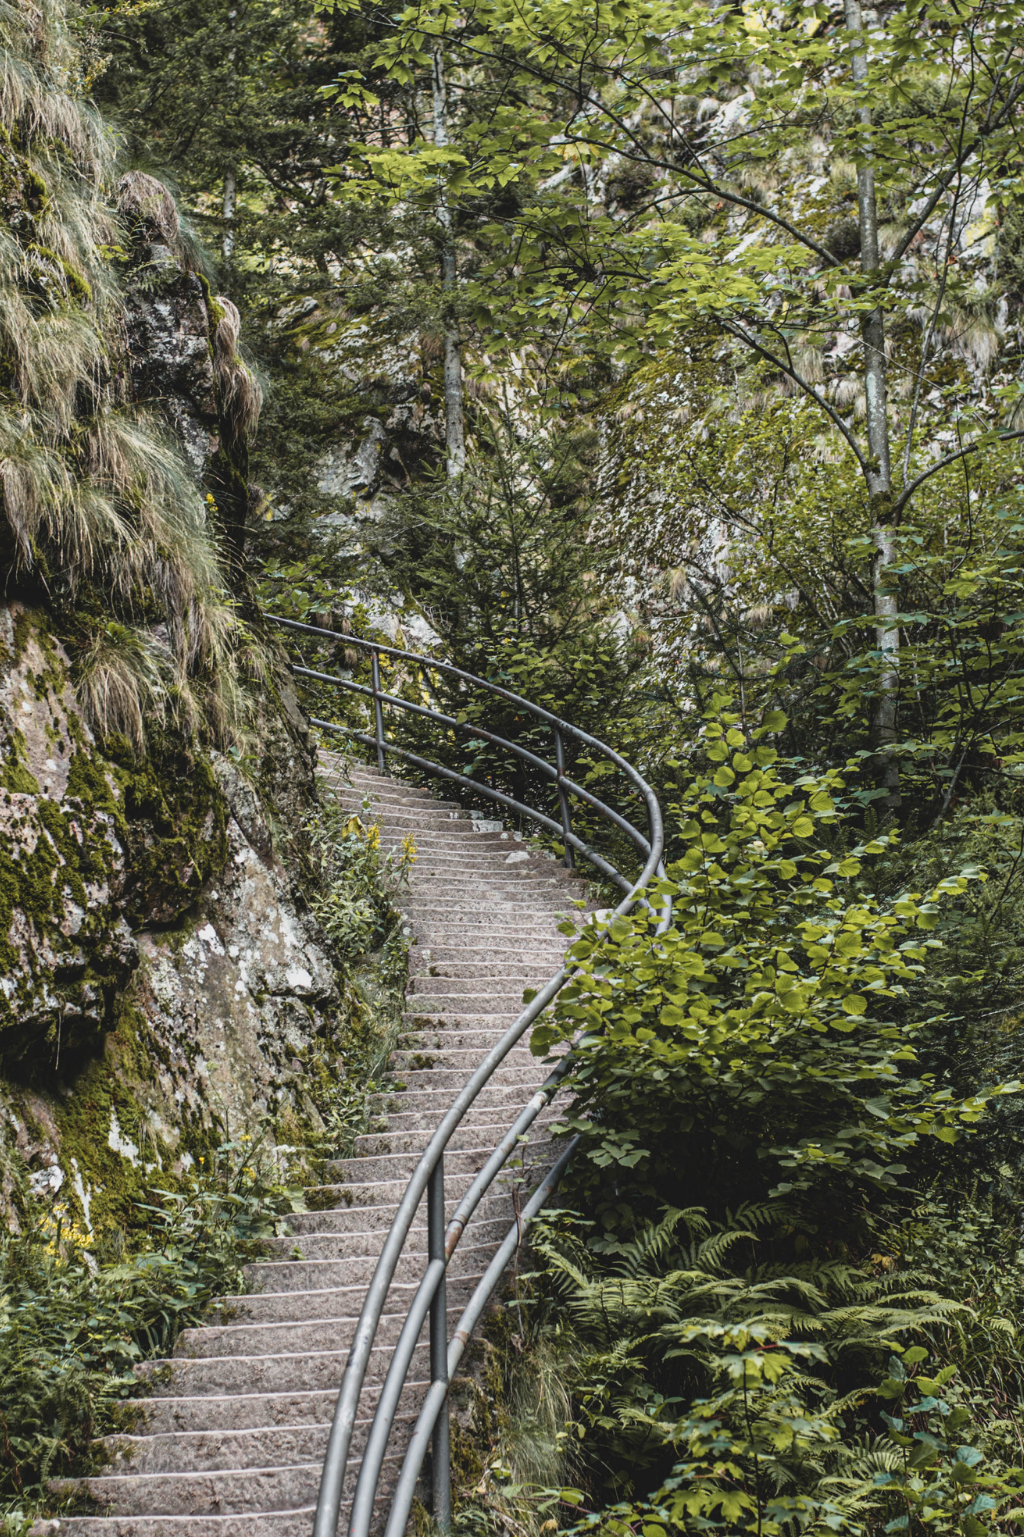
[663, 361]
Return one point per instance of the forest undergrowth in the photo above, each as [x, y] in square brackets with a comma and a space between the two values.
[664, 362]
[80, 1310]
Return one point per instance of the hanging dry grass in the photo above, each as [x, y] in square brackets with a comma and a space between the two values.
[241, 393]
[95, 482]
[123, 682]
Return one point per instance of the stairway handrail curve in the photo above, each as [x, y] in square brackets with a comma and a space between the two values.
[428, 1174]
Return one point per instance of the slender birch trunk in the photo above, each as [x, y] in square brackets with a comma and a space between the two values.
[455, 429]
[879, 476]
[230, 203]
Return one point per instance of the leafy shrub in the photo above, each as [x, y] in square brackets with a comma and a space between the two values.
[747, 1396]
[766, 1042]
[356, 885]
[75, 1323]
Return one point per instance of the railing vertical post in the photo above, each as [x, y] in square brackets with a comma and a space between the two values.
[378, 710]
[440, 1444]
[563, 798]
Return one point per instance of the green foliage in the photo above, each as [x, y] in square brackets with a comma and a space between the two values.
[765, 1042]
[357, 886]
[74, 1324]
[354, 898]
[750, 1393]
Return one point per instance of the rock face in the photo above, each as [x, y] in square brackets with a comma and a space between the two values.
[62, 858]
[182, 346]
[162, 982]
[240, 1000]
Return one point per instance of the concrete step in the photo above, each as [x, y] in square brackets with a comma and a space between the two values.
[422, 1121]
[415, 1138]
[226, 1448]
[290, 1372]
[231, 1491]
[271, 1523]
[399, 1166]
[369, 1219]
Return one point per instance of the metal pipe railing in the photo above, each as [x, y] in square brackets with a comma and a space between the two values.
[430, 1300]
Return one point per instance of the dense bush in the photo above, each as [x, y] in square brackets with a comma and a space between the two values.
[76, 1317]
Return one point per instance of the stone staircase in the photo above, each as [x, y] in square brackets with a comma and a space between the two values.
[231, 1441]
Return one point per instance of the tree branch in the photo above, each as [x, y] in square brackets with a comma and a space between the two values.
[799, 381]
[941, 464]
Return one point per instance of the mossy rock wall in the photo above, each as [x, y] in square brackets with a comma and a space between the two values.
[163, 982]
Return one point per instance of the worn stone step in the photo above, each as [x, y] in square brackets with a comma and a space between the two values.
[312, 1274]
[218, 1492]
[519, 1069]
[233, 1411]
[438, 1014]
[502, 890]
[443, 925]
[456, 1061]
[356, 798]
[415, 1138]
[398, 1166]
[192, 1376]
[346, 1245]
[370, 1220]
[477, 993]
[451, 825]
[472, 861]
[253, 1324]
[222, 1449]
[545, 950]
[404, 820]
[297, 1522]
[507, 1003]
[250, 1410]
[369, 1201]
[511, 910]
[469, 972]
[452, 1037]
[422, 1121]
[288, 1336]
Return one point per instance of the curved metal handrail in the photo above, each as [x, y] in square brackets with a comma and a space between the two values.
[428, 1176]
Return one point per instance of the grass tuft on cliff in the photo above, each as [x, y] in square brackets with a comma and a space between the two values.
[101, 517]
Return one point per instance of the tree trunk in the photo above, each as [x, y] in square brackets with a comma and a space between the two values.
[879, 477]
[454, 424]
[230, 201]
